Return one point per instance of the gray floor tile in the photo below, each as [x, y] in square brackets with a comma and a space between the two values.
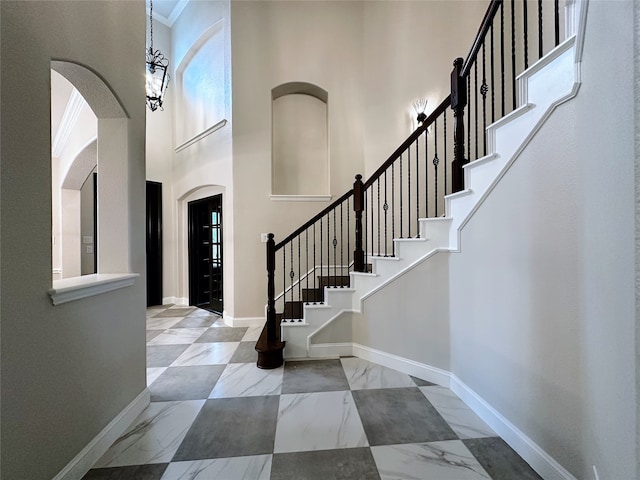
[185, 383]
[176, 312]
[400, 415]
[231, 427]
[500, 460]
[421, 383]
[163, 355]
[151, 334]
[222, 334]
[245, 353]
[136, 472]
[314, 376]
[341, 464]
[195, 321]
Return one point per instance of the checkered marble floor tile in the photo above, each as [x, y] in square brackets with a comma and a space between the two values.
[215, 416]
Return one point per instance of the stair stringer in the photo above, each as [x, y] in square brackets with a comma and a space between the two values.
[551, 81]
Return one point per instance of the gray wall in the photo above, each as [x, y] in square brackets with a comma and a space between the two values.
[545, 329]
[67, 371]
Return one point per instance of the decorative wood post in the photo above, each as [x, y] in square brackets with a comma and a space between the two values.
[271, 289]
[458, 103]
[358, 207]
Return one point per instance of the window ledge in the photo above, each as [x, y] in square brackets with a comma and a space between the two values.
[300, 198]
[71, 289]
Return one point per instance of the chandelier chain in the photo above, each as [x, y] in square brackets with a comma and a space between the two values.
[151, 24]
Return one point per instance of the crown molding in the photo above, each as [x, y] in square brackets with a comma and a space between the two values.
[69, 119]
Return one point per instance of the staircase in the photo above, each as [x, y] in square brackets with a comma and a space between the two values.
[316, 304]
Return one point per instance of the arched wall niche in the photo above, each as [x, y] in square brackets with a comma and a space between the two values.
[300, 140]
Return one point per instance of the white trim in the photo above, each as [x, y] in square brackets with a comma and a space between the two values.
[300, 198]
[97, 447]
[404, 365]
[530, 451]
[173, 16]
[68, 121]
[243, 321]
[201, 135]
[182, 301]
[76, 288]
[329, 350]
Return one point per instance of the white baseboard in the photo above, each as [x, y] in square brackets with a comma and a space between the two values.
[175, 301]
[243, 321]
[530, 451]
[404, 365]
[328, 350]
[97, 447]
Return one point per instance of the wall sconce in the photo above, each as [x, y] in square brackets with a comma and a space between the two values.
[420, 105]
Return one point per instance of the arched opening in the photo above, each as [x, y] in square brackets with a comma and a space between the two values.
[90, 135]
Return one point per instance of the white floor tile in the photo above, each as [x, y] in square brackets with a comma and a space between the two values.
[362, 374]
[162, 323]
[177, 336]
[458, 415]
[252, 335]
[154, 436]
[449, 460]
[256, 467]
[318, 421]
[154, 373]
[246, 380]
[206, 354]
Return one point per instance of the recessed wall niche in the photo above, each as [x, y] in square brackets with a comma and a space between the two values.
[300, 140]
[200, 86]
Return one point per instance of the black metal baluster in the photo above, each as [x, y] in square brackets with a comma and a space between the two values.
[436, 161]
[372, 225]
[409, 190]
[469, 116]
[378, 185]
[526, 35]
[493, 83]
[513, 53]
[539, 29]
[315, 288]
[502, 69]
[401, 232]
[335, 251]
[426, 172]
[385, 207]
[484, 88]
[348, 235]
[393, 209]
[475, 101]
[284, 279]
[444, 190]
[342, 242]
[291, 275]
[417, 188]
[299, 273]
[328, 251]
[321, 262]
[306, 241]
[556, 8]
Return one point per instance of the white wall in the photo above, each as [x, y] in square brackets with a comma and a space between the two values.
[68, 370]
[274, 43]
[542, 324]
[409, 49]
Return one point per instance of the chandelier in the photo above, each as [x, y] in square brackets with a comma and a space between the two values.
[157, 76]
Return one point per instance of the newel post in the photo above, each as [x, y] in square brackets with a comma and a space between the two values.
[458, 104]
[271, 288]
[358, 207]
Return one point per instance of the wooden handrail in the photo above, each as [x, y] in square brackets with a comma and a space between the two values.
[412, 138]
[487, 21]
[322, 213]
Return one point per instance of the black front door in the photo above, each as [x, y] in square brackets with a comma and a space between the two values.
[205, 253]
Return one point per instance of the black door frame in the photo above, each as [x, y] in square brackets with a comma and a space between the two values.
[206, 283]
[154, 243]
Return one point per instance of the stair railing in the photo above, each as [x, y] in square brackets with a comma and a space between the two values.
[412, 183]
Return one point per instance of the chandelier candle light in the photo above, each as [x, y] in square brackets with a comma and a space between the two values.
[157, 76]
